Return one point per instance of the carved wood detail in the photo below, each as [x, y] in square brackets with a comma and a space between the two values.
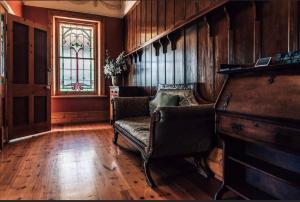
[164, 42]
[156, 46]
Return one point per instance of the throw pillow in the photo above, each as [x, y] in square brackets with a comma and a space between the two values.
[163, 100]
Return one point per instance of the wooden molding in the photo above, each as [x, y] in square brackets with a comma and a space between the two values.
[164, 42]
[179, 26]
[140, 53]
[173, 38]
[135, 56]
[157, 46]
[79, 117]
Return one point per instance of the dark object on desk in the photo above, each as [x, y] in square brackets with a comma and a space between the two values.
[258, 118]
[292, 57]
[262, 62]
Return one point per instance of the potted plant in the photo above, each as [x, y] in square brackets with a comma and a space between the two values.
[114, 67]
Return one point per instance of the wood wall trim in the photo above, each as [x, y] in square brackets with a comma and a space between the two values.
[79, 117]
[178, 26]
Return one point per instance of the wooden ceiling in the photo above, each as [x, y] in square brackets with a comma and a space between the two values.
[116, 8]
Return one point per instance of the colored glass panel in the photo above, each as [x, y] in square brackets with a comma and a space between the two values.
[76, 58]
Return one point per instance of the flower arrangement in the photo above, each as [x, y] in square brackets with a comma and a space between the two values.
[114, 67]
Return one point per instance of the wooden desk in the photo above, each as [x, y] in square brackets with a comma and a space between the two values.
[258, 118]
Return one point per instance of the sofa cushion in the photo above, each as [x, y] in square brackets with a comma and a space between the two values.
[138, 127]
[163, 100]
[186, 96]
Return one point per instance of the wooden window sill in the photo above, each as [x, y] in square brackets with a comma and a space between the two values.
[79, 96]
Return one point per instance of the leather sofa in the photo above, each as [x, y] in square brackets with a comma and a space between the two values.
[186, 130]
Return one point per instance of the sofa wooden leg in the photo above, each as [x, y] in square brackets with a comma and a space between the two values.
[149, 179]
[203, 167]
[115, 139]
[220, 192]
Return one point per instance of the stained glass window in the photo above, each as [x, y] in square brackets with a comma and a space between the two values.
[76, 58]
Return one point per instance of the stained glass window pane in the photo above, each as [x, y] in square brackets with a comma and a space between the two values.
[76, 58]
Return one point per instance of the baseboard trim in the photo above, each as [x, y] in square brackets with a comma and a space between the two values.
[79, 117]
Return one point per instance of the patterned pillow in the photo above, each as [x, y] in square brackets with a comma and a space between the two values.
[163, 99]
[187, 97]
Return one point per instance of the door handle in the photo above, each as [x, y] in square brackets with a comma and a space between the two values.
[49, 71]
[47, 87]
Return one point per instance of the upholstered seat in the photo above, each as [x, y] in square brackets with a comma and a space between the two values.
[177, 122]
[138, 127]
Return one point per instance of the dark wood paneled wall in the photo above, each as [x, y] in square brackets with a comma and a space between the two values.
[236, 32]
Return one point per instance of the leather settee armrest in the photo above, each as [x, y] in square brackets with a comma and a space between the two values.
[124, 107]
[182, 130]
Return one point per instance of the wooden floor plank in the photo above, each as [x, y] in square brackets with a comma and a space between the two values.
[81, 162]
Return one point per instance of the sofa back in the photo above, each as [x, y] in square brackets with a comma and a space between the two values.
[188, 93]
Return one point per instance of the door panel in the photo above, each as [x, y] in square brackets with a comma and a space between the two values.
[28, 88]
[20, 111]
[20, 53]
[40, 109]
[40, 57]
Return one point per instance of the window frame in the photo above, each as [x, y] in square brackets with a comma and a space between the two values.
[96, 37]
[3, 45]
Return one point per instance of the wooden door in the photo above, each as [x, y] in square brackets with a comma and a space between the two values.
[28, 89]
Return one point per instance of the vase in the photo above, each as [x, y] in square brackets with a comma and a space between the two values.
[114, 80]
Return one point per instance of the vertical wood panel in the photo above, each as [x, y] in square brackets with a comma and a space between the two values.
[243, 28]
[148, 19]
[179, 61]
[169, 14]
[138, 24]
[154, 71]
[134, 43]
[275, 23]
[191, 8]
[220, 51]
[179, 7]
[205, 70]
[126, 30]
[293, 26]
[191, 54]
[148, 71]
[161, 67]
[207, 47]
[170, 74]
[129, 32]
[138, 72]
[143, 21]
[161, 16]
[142, 70]
[154, 22]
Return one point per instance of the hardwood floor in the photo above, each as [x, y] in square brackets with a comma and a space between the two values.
[80, 162]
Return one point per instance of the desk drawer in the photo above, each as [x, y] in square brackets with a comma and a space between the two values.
[262, 131]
